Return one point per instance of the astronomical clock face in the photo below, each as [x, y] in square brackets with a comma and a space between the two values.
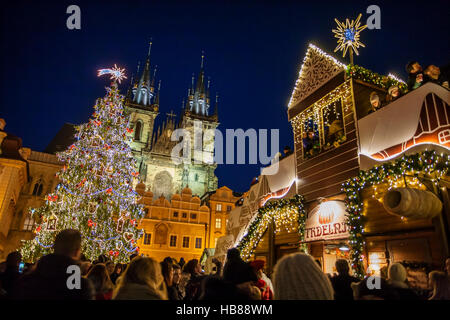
[162, 184]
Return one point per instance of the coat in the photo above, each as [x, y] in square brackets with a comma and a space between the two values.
[136, 291]
[49, 281]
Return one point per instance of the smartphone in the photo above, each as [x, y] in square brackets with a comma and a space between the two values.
[21, 267]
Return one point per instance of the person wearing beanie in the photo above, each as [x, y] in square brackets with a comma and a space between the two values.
[298, 277]
[375, 102]
[397, 279]
[393, 93]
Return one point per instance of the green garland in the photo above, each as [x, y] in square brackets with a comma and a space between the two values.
[426, 162]
[360, 73]
[257, 228]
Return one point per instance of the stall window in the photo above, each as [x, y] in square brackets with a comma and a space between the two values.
[333, 125]
[310, 137]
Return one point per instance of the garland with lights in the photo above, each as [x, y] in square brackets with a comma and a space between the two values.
[384, 82]
[429, 162]
[284, 212]
[95, 194]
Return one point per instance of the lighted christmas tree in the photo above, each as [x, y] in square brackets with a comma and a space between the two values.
[95, 194]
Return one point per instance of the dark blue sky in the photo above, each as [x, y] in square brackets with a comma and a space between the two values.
[253, 49]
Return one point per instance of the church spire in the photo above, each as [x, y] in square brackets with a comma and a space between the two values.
[143, 90]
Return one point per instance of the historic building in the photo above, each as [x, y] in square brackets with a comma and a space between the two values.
[153, 146]
[177, 227]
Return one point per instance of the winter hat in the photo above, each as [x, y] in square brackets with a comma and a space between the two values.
[257, 264]
[374, 97]
[298, 277]
[397, 272]
[391, 88]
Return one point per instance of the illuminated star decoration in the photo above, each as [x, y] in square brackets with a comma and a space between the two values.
[348, 35]
[116, 73]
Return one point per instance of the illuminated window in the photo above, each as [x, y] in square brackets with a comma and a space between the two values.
[147, 238]
[185, 242]
[29, 223]
[218, 223]
[219, 207]
[198, 243]
[173, 241]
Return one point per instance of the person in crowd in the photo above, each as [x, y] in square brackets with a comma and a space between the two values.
[415, 75]
[298, 277]
[440, 284]
[373, 288]
[11, 275]
[397, 279]
[375, 102]
[215, 289]
[309, 141]
[176, 281]
[132, 256]
[236, 270]
[384, 272]
[116, 273]
[433, 74]
[168, 260]
[103, 285]
[193, 286]
[217, 269]
[342, 282]
[141, 281]
[167, 272]
[181, 263]
[393, 94]
[447, 266]
[287, 152]
[251, 290]
[264, 283]
[85, 267]
[109, 267]
[49, 280]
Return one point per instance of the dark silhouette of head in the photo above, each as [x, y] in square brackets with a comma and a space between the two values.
[68, 243]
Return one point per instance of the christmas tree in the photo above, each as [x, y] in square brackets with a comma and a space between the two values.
[95, 194]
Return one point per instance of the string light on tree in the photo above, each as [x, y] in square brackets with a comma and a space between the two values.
[95, 194]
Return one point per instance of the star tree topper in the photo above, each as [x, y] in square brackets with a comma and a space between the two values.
[117, 74]
[348, 36]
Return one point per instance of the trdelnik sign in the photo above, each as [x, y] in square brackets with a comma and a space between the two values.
[327, 221]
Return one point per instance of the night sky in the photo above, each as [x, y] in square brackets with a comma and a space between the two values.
[253, 54]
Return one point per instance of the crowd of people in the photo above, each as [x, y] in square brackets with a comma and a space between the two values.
[296, 276]
[417, 76]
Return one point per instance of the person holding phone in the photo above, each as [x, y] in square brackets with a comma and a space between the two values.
[9, 278]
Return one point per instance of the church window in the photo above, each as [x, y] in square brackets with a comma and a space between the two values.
[185, 242]
[37, 190]
[29, 223]
[137, 131]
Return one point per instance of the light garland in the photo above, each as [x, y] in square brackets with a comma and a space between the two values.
[285, 213]
[424, 162]
[365, 75]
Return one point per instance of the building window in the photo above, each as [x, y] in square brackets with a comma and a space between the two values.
[184, 215]
[146, 211]
[193, 216]
[137, 131]
[219, 207]
[198, 243]
[218, 223]
[29, 223]
[37, 190]
[175, 214]
[147, 238]
[228, 208]
[185, 242]
[173, 241]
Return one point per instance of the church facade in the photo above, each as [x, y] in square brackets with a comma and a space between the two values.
[152, 146]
